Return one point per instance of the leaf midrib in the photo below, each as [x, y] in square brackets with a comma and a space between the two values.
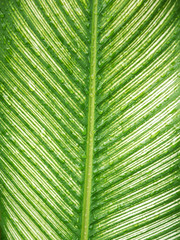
[90, 127]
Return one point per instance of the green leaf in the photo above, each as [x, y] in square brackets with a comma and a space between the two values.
[89, 119]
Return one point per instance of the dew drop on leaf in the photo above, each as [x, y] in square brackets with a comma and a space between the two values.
[42, 132]
[31, 85]
[7, 99]
[15, 89]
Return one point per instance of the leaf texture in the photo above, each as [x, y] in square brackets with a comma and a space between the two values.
[89, 119]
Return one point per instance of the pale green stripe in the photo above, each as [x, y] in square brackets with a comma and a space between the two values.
[90, 130]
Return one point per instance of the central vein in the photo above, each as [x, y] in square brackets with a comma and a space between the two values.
[90, 129]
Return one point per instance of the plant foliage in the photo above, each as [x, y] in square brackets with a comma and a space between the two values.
[89, 119]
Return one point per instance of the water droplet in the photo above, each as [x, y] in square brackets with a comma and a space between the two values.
[7, 99]
[100, 111]
[78, 11]
[42, 133]
[15, 89]
[31, 85]
[111, 162]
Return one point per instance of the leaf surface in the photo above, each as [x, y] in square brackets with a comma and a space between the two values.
[89, 119]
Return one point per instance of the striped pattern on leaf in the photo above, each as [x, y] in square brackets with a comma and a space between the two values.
[51, 51]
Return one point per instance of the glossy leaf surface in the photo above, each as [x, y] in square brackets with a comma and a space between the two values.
[89, 119]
